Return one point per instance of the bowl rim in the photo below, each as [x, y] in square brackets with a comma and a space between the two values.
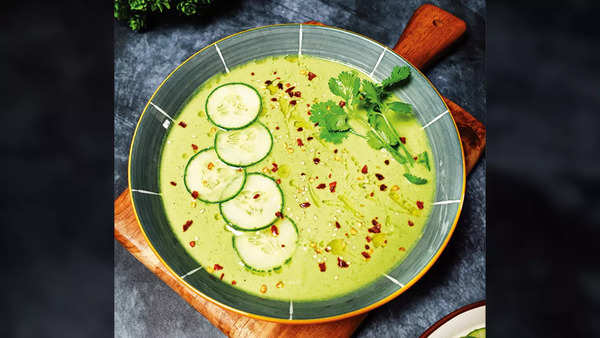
[357, 312]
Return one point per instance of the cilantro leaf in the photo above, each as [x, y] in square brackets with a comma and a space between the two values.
[400, 107]
[345, 86]
[333, 136]
[423, 159]
[372, 92]
[415, 179]
[385, 133]
[373, 141]
[329, 115]
[398, 75]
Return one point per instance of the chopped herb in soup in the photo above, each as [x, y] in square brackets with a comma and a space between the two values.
[297, 177]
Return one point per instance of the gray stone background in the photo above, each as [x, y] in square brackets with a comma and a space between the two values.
[145, 307]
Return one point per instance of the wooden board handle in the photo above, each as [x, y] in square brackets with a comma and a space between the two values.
[128, 233]
[427, 34]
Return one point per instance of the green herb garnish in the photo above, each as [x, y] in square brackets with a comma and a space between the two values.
[338, 120]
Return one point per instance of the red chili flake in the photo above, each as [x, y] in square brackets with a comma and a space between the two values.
[311, 76]
[222, 275]
[182, 124]
[342, 104]
[322, 267]
[252, 73]
[302, 174]
[316, 177]
[283, 245]
[387, 162]
[287, 85]
[298, 94]
[329, 176]
[376, 228]
[291, 94]
[275, 73]
[316, 124]
[268, 82]
[193, 244]
[342, 263]
[187, 225]
[364, 169]
[173, 183]
[195, 194]
[276, 127]
[379, 176]
[401, 248]
[278, 181]
[278, 214]
[308, 105]
[300, 129]
[309, 138]
[299, 141]
[367, 247]
[278, 78]
[256, 196]
[368, 238]
[332, 186]
[305, 204]
[274, 230]
[335, 151]
[415, 158]
[293, 102]
[371, 194]
[195, 147]
[365, 254]
[280, 85]
[337, 224]
[273, 99]
[419, 204]
[382, 187]
[403, 140]
[327, 249]
[233, 282]
[316, 160]
[410, 223]
[321, 186]
[217, 267]
[374, 221]
[275, 167]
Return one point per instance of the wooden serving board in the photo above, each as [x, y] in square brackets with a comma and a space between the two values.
[428, 33]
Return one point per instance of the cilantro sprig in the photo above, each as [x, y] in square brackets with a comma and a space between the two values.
[338, 120]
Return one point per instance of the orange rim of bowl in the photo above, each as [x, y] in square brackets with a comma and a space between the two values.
[316, 320]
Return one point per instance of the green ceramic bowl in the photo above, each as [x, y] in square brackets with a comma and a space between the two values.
[326, 42]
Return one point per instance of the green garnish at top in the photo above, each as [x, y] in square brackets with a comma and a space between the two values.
[338, 120]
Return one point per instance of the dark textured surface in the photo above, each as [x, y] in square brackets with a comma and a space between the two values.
[146, 307]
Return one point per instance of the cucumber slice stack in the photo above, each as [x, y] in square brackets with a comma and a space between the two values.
[250, 203]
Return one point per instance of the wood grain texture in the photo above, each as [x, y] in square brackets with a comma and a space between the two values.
[429, 25]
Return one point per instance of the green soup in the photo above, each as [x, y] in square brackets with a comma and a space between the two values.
[338, 249]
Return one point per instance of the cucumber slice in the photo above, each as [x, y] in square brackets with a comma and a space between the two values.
[256, 206]
[479, 333]
[244, 147]
[233, 105]
[267, 249]
[214, 180]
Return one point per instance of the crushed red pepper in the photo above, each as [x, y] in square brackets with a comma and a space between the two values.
[300, 129]
[195, 147]
[182, 124]
[309, 138]
[332, 186]
[316, 160]
[342, 263]
[337, 224]
[311, 76]
[410, 223]
[403, 140]
[268, 82]
[278, 181]
[173, 183]
[379, 176]
[364, 169]
[252, 73]
[321, 186]
[233, 282]
[342, 104]
[193, 244]
[420, 205]
[368, 238]
[382, 187]
[280, 85]
[367, 247]
[187, 225]
[298, 94]
[273, 99]
[305, 204]
[299, 141]
[217, 267]
[278, 214]
[256, 196]
[276, 127]
[322, 267]
[274, 230]
[335, 151]
[222, 275]
[365, 254]
[195, 194]
[401, 248]
[376, 228]
[275, 167]
[387, 162]
[293, 102]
